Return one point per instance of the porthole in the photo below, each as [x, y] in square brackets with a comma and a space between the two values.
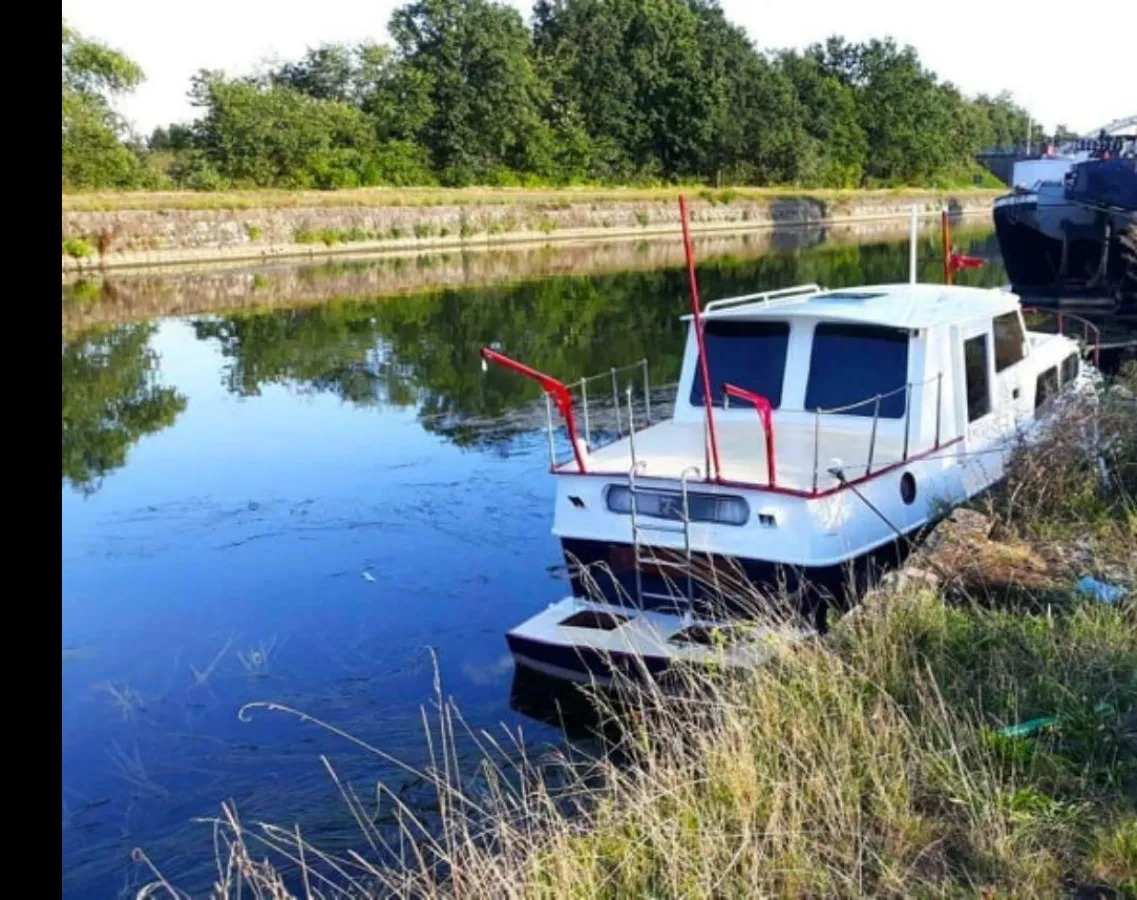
[908, 488]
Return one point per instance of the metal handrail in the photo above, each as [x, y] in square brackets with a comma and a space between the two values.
[1087, 326]
[765, 415]
[763, 296]
[818, 412]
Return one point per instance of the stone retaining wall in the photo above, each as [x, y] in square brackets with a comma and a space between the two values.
[145, 237]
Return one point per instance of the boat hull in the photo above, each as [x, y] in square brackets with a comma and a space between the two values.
[1041, 263]
[606, 571]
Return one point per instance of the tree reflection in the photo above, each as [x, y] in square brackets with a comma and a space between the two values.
[423, 350]
[111, 399]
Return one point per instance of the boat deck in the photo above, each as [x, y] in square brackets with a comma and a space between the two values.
[667, 449]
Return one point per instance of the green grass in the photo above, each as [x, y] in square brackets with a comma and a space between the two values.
[272, 199]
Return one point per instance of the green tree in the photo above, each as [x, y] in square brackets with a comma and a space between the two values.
[471, 69]
[111, 399]
[905, 114]
[94, 155]
[264, 135]
[836, 147]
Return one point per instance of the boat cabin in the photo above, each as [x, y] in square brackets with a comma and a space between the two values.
[806, 383]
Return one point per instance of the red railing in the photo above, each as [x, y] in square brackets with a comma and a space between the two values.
[766, 417]
[1088, 327]
[557, 391]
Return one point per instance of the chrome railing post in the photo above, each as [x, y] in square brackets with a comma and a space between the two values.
[816, 444]
[647, 392]
[634, 510]
[872, 437]
[907, 419]
[687, 535]
[631, 427]
[549, 424]
[939, 406]
[584, 405]
[616, 402]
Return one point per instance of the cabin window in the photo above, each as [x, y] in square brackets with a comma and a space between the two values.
[852, 364]
[750, 355]
[1046, 387]
[1009, 340]
[975, 369]
[1069, 368]
[719, 508]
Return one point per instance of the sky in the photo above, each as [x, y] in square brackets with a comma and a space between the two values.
[1067, 64]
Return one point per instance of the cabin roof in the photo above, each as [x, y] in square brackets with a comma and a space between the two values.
[896, 305]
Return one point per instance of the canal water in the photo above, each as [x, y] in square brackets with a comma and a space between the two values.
[328, 506]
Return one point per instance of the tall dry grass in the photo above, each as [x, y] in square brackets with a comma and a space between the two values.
[874, 762]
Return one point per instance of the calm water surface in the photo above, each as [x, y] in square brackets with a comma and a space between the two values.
[310, 506]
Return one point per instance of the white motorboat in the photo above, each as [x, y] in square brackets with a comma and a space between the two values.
[840, 424]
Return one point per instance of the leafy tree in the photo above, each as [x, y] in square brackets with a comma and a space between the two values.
[597, 90]
[111, 399]
[268, 135]
[836, 148]
[471, 60]
[94, 155]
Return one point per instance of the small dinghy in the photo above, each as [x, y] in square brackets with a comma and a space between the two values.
[814, 433]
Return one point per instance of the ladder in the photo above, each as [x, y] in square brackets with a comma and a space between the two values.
[643, 552]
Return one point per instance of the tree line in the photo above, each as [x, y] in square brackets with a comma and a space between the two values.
[590, 91]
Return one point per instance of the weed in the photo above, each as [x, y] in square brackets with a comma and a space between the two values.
[77, 248]
[643, 218]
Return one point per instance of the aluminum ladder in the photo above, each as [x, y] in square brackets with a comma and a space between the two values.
[643, 552]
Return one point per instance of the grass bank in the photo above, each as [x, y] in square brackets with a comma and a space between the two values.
[966, 731]
[474, 196]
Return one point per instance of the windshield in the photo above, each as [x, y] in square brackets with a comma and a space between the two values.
[852, 364]
[750, 355]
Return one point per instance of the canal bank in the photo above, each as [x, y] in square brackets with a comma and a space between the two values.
[95, 298]
[151, 230]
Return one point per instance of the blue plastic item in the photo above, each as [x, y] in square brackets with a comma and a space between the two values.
[1099, 590]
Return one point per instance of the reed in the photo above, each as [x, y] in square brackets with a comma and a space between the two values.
[881, 760]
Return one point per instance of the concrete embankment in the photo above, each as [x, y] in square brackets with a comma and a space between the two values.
[129, 231]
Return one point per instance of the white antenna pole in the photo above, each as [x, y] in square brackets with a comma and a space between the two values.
[1029, 128]
[912, 246]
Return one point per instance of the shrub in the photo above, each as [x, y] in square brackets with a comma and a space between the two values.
[77, 248]
[643, 218]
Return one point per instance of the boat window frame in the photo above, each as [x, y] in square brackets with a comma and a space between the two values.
[863, 406]
[989, 406]
[999, 342]
[1047, 387]
[1070, 361]
[785, 328]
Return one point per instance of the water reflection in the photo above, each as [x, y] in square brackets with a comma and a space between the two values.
[111, 399]
[422, 351]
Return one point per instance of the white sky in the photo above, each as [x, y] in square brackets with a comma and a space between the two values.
[1067, 63]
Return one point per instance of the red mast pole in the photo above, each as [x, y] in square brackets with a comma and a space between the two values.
[708, 399]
